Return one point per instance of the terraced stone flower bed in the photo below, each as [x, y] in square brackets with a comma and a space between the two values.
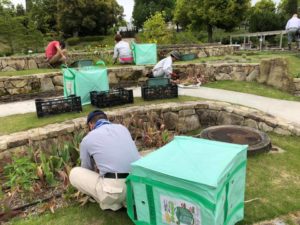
[46, 167]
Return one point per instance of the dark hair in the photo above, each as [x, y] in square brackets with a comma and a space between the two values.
[62, 44]
[96, 115]
[118, 37]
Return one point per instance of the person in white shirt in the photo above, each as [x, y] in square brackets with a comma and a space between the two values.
[122, 51]
[292, 27]
[164, 67]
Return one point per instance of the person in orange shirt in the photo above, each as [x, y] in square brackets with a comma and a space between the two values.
[56, 52]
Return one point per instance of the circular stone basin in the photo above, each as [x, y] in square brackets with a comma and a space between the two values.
[256, 140]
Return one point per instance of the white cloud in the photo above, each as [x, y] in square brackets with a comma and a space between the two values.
[15, 2]
[254, 1]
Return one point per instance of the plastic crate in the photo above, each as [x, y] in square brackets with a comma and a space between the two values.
[118, 96]
[45, 107]
[157, 81]
[159, 92]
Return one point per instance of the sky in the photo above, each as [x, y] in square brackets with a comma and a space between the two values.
[127, 5]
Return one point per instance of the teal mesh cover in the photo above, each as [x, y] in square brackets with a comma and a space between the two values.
[144, 54]
[188, 181]
[81, 81]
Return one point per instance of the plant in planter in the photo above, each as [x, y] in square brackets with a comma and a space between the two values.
[20, 174]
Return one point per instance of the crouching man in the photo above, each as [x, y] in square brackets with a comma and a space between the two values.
[164, 68]
[106, 153]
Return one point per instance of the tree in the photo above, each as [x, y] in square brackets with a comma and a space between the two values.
[181, 13]
[44, 14]
[155, 29]
[88, 17]
[287, 8]
[16, 31]
[263, 17]
[20, 11]
[225, 14]
[144, 9]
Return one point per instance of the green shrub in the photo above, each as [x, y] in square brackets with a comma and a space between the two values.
[73, 41]
[91, 38]
[21, 173]
[155, 29]
[186, 37]
[3, 54]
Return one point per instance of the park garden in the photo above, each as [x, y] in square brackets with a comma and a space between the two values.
[38, 152]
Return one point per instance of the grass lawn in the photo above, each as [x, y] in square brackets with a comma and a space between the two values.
[252, 88]
[275, 180]
[27, 72]
[272, 179]
[21, 122]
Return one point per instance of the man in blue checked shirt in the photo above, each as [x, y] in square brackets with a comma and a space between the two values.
[106, 153]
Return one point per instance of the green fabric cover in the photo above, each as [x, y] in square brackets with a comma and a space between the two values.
[81, 81]
[189, 175]
[144, 54]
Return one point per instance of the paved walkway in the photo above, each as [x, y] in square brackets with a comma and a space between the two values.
[287, 110]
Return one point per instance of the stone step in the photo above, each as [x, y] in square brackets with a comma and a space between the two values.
[39, 61]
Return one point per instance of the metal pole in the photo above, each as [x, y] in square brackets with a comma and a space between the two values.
[260, 42]
[280, 43]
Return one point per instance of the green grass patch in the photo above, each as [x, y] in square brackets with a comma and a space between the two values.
[252, 88]
[90, 214]
[27, 72]
[272, 179]
[21, 122]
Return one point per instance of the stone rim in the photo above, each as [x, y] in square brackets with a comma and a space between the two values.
[259, 142]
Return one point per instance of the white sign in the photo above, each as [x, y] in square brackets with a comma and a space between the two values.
[179, 212]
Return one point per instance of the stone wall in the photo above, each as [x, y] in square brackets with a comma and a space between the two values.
[123, 76]
[134, 75]
[297, 86]
[179, 117]
[274, 72]
[38, 61]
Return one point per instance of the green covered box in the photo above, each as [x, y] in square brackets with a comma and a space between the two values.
[159, 81]
[144, 54]
[189, 181]
[82, 80]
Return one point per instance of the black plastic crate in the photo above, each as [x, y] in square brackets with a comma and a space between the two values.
[159, 92]
[118, 96]
[45, 107]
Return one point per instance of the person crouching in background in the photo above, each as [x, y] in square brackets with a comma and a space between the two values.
[122, 51]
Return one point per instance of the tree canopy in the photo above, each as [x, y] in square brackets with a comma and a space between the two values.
[44, 14]
[86, 17]
[144, 9]
[287, 8]
[155, 29]
[263, 17]
[17, 31]
[225, 14]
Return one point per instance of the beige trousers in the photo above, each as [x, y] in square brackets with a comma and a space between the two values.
[57, 57]
[110, 193]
